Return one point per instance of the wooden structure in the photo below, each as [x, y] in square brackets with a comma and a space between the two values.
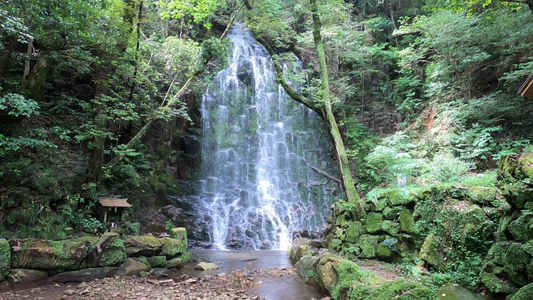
[110, 203]
[526, 89]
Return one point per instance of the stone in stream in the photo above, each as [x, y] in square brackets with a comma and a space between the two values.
[143, 245]
[206, 266]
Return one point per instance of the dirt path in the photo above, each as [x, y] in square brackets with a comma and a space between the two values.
[239, 284]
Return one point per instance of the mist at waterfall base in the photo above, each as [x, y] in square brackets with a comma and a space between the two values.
[257, 188]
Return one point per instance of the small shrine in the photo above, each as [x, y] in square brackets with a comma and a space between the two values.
[112, 206]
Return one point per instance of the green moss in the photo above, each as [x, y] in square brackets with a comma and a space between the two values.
[348, 272]
[407, 221]
[390, 227]
[157, 261]
[336, 244]
[353, 232]
[524, 293]
[186, 257]
[392, 213]
[373, 222]
[5, 258]
[525, 165]
[311, 274]
[522, 228]
[430, 252]
[114, 253]
[497, 285]
[403, 290]
[368, 245]
[383, 252]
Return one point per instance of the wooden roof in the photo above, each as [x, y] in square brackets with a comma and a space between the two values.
[526, 89]
[114, 202]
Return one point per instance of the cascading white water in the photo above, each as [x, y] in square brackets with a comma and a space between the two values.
[256, 147]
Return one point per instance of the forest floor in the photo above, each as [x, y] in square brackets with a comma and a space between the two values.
[264, 284]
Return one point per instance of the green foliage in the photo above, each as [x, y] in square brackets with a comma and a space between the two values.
[169, 224]
[199, 11]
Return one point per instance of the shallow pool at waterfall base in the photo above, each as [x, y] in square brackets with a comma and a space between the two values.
[272, 288]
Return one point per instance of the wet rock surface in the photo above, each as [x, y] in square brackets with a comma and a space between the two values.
[239, 284]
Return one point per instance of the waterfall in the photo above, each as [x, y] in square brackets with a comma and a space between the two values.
[257, 143]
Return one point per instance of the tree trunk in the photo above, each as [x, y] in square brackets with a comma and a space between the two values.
[38, 76]
[344, 167]
[96, 160]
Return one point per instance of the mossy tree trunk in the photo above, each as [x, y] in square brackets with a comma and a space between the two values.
[344, 168]
[96, 160]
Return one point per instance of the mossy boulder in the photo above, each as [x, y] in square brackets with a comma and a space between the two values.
[384, 252]
[172, 247]
[343, 220]
[507, 255]
[5, 258]
[522, 228]
[157, 261]
[306, 264]
[391, 228]
[174, 263]
[336, 245]
[407, 221]
[48, 255]
[132, 267]
[179, 233]
[524, 293]
[143, 246]
[109, 250]
[452, 291]
[368, 245]
[392, 213]
[373, 222]
[353, 232]
[497, 285]
[483, 195]
[430, 252]
[525, 165]
[294, 250]
[402, 289]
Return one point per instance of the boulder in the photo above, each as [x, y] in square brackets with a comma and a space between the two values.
[48, 255]
[151, 221]
[172, 247]
[142, 246]
[407, 222]
[524, 293]
[179, 233]
[295, 253]
[157, 261]
[505, 265]
[5, 258]
[203, 266]
[368, 244]
[174, 263]
[429, 252]
[306, 264]
[353, 232]
[23, 276]
[159, 272]
[373, 222]
[132, 267]
[84, 275]
[451, 291]
[171, 212]
[108, 251]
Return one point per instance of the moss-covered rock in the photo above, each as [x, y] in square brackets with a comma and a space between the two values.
[294, 250]
[5, 258]
[368, 245]
[343, 220]
[407, 221]
[390, 227]
[384, 252]
[157, 261]
[452, 291]
[132, 267]
[306, 264]
[507, 255]
[172, 247]
[109, 250]
[524, 293]
[497, 285]
[483, 195]
[353, 232]
[392, 213]
[179, 233]
[522, 228]
[142, 246]
[48, 255]
[430, 251]
[402, 289]
[525, 165]
[336, 245]
[373, 222]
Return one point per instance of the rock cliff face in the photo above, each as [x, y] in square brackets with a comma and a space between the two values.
[447, 226]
